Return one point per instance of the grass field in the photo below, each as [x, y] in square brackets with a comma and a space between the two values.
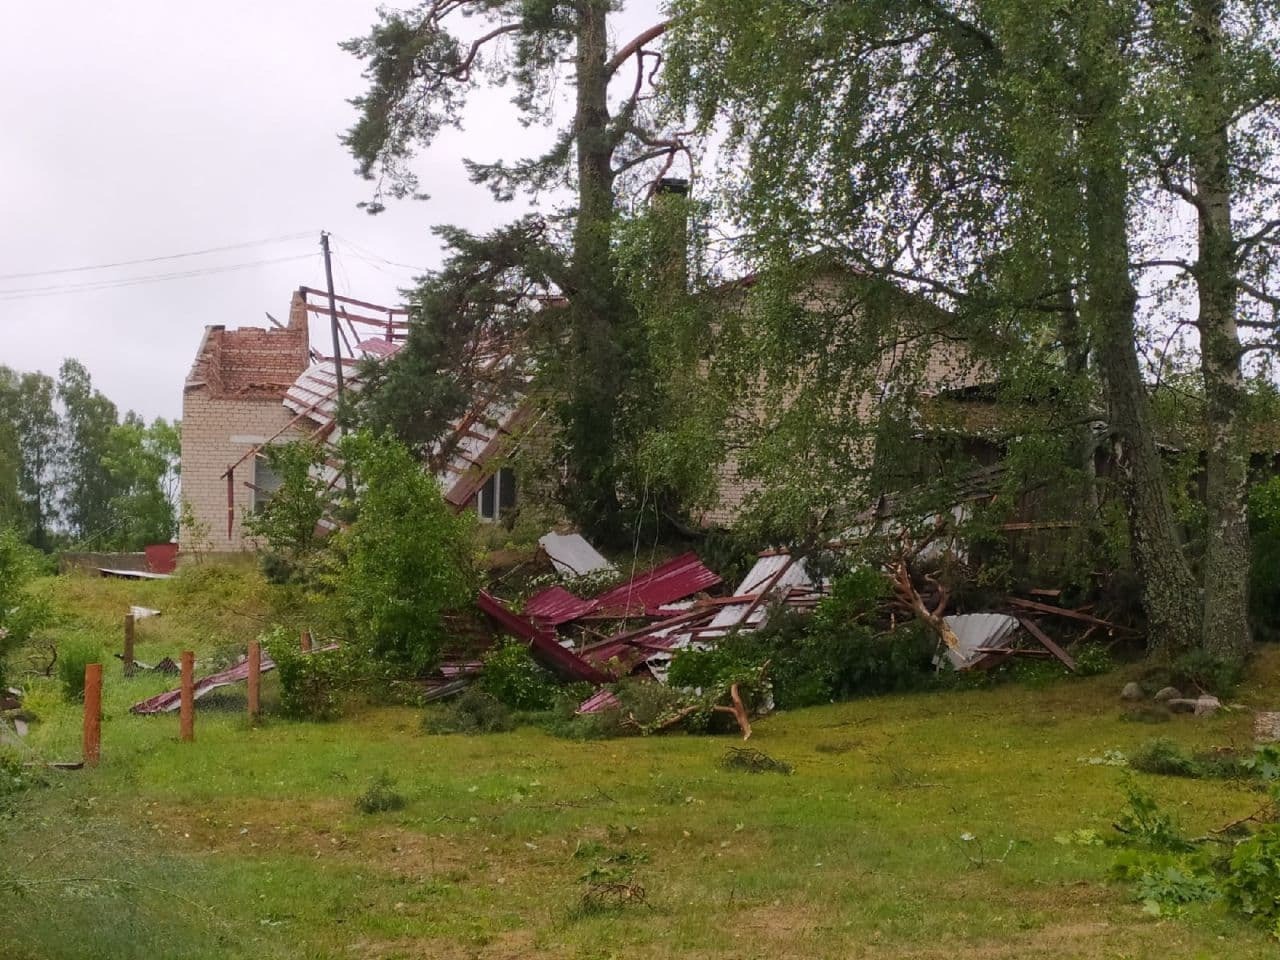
[247, 842]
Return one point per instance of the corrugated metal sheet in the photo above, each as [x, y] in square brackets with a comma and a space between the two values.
[556, 605]
[974, 630]
[766, 568]
[571, 555]
[542, 641]
[674, 580]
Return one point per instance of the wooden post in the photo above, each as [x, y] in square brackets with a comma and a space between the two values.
[188, 709]
[306, 641]
[128, 645]
[255, 677]
[92, 713]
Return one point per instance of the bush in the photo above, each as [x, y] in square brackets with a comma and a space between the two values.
[380, 796]
[311, 684]
[20, 613]
[1163, 756]
[475, 711]
[513, 677]
[15, 776]
[1252, 885]
[73, 657]
[836, 653]
[406, 559]
[1203, 670]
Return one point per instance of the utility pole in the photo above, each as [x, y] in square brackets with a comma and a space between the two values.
[333, 320]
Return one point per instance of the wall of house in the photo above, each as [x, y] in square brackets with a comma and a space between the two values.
[216, 432]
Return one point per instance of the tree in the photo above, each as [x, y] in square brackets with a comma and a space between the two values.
[994, 155]
[36, 422]
[420, 69]
[87, 489]
[141, 464]
[12, 513]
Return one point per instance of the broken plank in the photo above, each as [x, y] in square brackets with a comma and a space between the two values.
[1064, 612]
[1047, 642]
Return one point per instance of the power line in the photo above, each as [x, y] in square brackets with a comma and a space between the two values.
[365, 250]
[169, 256]
[32, 293]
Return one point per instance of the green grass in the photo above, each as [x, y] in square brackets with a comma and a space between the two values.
[248, 842]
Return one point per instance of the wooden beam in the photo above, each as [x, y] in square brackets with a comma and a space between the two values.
[1034, 629]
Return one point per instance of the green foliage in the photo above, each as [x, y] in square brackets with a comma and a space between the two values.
[312, 685]
[1252, 884]
[405, 560]
[289, 521]
[21, 613]
[514, 678]
[1164, 883]
[142, 462]
[1264, 566]
[380, 796]
[474, 711]
[15, 775]
[73, 657]
[1093, 659]
[1209, 672]
[1143, 824]
[837, 653]
[1163, 756]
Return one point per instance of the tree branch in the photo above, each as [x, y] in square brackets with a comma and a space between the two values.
[630, 49]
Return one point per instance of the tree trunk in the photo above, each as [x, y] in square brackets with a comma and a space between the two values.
[596, 376]
[1169, 593]
[1225, 631]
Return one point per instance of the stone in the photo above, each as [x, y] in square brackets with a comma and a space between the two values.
[1168, 693]
[1181, 705]
[1207, 706]
[1131, 691]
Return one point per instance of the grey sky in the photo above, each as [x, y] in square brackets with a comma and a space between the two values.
[150, 127]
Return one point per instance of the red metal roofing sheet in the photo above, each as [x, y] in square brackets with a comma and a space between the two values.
[556, 605]
[542, 641]
[674, 580]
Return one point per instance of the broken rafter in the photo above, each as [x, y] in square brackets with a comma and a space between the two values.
[1047, 642]
[1065, 612]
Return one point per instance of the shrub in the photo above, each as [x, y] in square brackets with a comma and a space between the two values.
[380, 796]
[1163, 756]
[73, 657]
[311, 684]
[1093, 659]
[15, 776]
[1252, 884]
[20, 613]
[512, 676]
[1201, 669]
[475, 711]
[289, 520]
[406, 558]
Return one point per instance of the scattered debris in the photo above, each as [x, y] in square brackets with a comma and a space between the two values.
[141, 613]
[166, 666]
[1205, 706]
[748, 760]
[133, 574]
[979, 636]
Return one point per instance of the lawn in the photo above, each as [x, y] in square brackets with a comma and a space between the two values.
[248, 842]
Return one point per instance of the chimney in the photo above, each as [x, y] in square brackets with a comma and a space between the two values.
[670, 210]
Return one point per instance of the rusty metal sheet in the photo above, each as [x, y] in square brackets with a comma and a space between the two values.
[666, 583]
[599, 701]
[170, 700]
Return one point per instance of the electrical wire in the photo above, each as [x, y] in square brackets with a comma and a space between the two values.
[33, 293]
[369, 253]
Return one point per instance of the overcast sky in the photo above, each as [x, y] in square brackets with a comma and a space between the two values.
[143, 128]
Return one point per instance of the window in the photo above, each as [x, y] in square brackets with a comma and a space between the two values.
[265, 482]
[497, 496]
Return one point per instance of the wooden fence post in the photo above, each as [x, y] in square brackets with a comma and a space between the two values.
[92, 713]
[306, 641]
[128, 645]
[254, 678]
[188, 708]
